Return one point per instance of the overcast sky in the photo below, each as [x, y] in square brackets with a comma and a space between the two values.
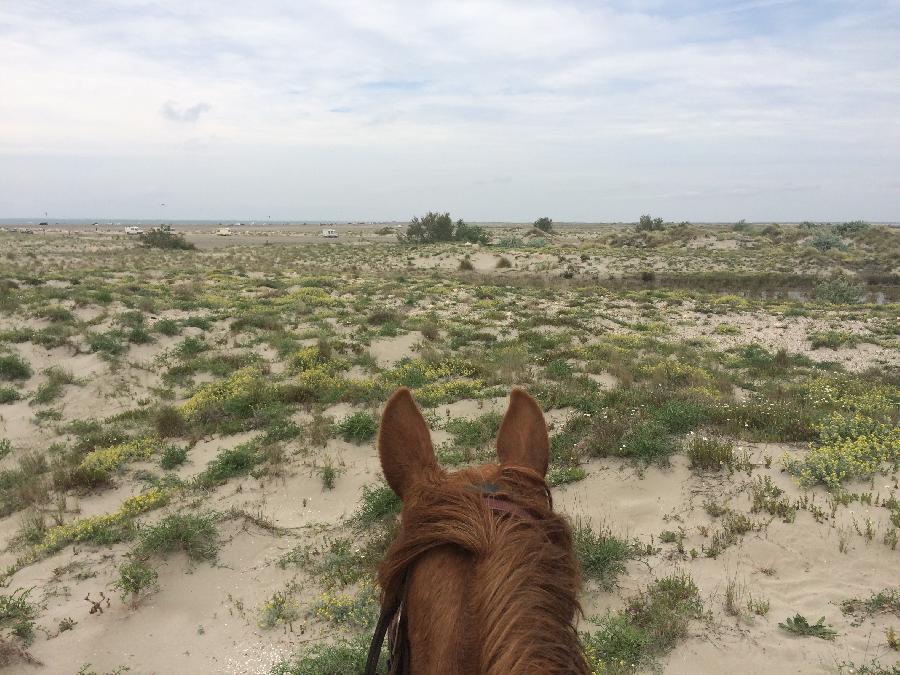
[494, 110]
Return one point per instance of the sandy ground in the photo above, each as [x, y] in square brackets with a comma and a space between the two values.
[204, 617]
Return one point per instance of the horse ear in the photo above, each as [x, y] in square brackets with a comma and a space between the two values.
[522, 439]
[404, 443]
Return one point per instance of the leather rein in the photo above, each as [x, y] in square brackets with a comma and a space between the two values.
[392, 618]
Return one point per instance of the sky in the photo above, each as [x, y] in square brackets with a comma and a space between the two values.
[494, 110]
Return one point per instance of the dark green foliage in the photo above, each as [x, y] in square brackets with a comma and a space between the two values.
[648, 441]
[544, 224]
[474, 234]
[679, 416]
[18, 615]
[798, 625]
[651, 625]
[358, 427]
[107, 344]
[344, 657]
[825, 241]
[195, 534]
[377, 503]
[167, 327]
[665, 609]
[228, 463]
[14, 367]
[558, 369]
[475, 433]
[164, 237]
[168, 422]
[172, 456]
[709, 453]
[839, 291]
[329, 475]
[851, 228]
[135, 577]
[601, 556]
[618, 641]
[435, 227]
[190, 347]
[260, 320]
[429, 228]
[9, 395]
[648, 224]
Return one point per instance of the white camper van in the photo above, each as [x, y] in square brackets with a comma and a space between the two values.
[131, 229]
[329, 234]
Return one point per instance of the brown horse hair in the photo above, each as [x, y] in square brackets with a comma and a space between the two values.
[525, 579]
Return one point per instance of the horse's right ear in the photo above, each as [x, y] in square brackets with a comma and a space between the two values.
[404, 443]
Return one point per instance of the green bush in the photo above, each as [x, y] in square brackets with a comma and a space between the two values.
[340, 658]
[839, 291]
[601, 556]
[164, 237]
[709, 453]
[195, 534]
[18, 615]
[648, 441]
[377, 503]
[358, 427]
[228, 463]
[544, 224]
[14, 367]
[107, 344]
[435, 227]
[172, 456]
[135, 578]
[648, 224]
[9, 395]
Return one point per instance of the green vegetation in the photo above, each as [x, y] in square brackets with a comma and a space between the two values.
[195, 534]
[799, 625]
[640, 344]
[14, 367]
[18, 614]
[136, 579]
[710, 453]
[345, 656]
[377, 503]
[601, 556]
[436, 227]
[358, 427]
[544, 224]
[651, 624]
[163, 237]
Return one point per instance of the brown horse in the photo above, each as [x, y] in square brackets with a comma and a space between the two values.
[482, 577]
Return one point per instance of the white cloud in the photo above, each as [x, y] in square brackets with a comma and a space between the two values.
[570, 100]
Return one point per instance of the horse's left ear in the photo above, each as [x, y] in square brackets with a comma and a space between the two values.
[522, 439]
[404, 444]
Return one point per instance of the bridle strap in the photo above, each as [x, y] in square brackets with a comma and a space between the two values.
[505, 506]
[384, 621]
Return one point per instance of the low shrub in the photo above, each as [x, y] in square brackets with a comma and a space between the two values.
[14, 367]
[195, 534]
[709, 453]
[601, 555]
[358, 427]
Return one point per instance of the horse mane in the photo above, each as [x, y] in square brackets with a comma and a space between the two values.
[525, 576]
